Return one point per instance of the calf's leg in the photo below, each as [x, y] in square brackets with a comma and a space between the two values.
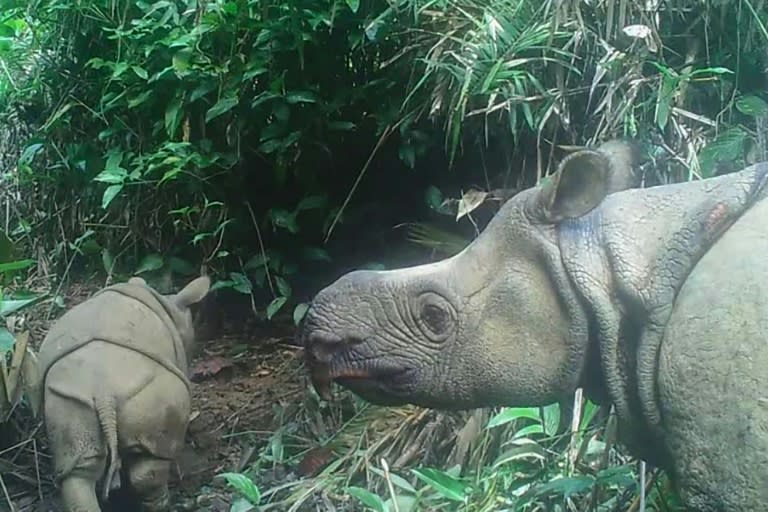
[79, 456]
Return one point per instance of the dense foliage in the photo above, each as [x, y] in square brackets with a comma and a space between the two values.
[153, 136]
[245, 136]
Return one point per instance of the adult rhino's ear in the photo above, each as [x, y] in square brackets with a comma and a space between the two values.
[193, 292]
[579, 185]
[138, 281]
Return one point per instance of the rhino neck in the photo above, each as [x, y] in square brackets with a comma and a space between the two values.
[628, 259]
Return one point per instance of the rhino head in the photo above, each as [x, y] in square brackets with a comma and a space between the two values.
[500, 323]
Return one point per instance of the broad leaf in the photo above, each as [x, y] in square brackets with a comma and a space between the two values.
[244, 486]
[299, 311]
[275, 306]
[109, 194]
[368, 499]
[222, 106]
[450, 487]
[149, 263]
[513, 413]
[15, 265]
[8, 306]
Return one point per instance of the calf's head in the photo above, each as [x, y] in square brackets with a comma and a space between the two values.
[497, 324]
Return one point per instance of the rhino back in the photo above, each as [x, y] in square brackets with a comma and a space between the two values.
[713, 371]
[120, 321]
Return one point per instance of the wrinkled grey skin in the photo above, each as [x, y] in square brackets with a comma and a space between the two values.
[654, 300]
[116, 394]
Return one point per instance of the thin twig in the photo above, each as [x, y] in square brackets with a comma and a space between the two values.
[7, 496]
[384, 136]
[261, 246]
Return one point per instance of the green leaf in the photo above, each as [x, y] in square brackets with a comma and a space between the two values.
[140, 72]
[669, 83]
[564, 487]
[523, 451]
[551, 418]
[435, 200]
[109, 194]
[8, 306]
[173, 115]
[354, 5]
[312, 203]
[315, 254]
[396, 479]
[341, 126]
[181, 266]
[589, 411]
[752, 106]
[294, 97]
[256, 261]
[7, 341]
[241, 283]
[445, 484]
[29, 153]
[283, 286]
[119, 69]
[244, 486]
[620, 476]
[407, 154]
[222, 106]
[107, 260]
[284, 219]
[149, 263]
[112, 173]
[368, 499]
[275, 306]
[299, 311]
[15, 265]
[180, 61]
[528, 430]
[513, 413]
[728, 146]
[138, 100]
[241, 505]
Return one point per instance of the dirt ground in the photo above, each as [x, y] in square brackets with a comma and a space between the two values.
[243, 370]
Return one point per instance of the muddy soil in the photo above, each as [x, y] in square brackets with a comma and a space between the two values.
[243, 370]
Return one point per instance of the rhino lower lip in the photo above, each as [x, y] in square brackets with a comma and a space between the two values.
[322, 375]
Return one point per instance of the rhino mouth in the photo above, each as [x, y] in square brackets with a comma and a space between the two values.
[375, 381]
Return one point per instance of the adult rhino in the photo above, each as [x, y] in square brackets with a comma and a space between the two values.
[655, 300]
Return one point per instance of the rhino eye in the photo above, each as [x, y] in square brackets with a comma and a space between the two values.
[435, 316]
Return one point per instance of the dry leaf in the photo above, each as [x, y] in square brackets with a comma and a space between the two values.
[209, 367]
[469, 201]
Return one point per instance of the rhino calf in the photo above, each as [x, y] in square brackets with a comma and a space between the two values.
[116, 397]
[654, 300]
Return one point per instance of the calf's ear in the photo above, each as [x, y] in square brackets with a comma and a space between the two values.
[193, 292]
[579, 185]
[137, 281]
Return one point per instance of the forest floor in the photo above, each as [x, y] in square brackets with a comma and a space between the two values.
[241, 375]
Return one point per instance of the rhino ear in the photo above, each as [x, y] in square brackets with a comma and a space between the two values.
[137, 280]
[579, 185]
[193, 292]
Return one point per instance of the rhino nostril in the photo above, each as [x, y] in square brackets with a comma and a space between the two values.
[322, 346]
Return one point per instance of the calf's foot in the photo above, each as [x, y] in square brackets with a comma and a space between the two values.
[79, 495]
[149, 479]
